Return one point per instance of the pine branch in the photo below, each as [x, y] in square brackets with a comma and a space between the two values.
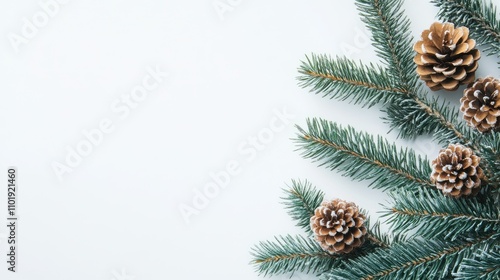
[489, 152]
[485, 265]
[375, 236]
[418, 116]
[480, 16]
[454, 237]
[391, 38]
[415, 259]
[301, 199]
[409, 110]
[344, 79]
[437, 215]
[359, 156]
[290, 254]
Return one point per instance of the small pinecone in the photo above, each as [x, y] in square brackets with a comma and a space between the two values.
[481, 104]
[456, 171]
[338, 226]
[446, 56]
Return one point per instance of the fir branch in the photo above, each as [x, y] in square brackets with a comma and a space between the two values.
[301, 199]
[485, 265]
[344, 79]
[290, 254]
[462, 235]
[415, 259]
[419, 115]
[489, 152]
[391, 38]
[409, 111]
[480, 16]
[375, 236]
[435, 215]
[359, 156]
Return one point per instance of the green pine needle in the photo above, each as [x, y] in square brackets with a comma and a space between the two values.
[391, 38]
[447, 237]
[288, 254]
[301, 200]
[411, 113]
[490, 153]
[340, 78]
[375, 235]
[419, 116]
[485, 265]
[396, 84]
[361, 157]
[415, 259]
[436, 215]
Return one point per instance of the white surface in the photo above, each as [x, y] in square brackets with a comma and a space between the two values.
[118, 211]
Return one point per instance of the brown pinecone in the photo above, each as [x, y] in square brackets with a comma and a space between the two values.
[481, 104]
[446, 56]
[338, 226]
[456, 171]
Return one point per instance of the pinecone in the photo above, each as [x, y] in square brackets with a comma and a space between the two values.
[481, 104]
[338, 226]
[456, 171]
[446, 56]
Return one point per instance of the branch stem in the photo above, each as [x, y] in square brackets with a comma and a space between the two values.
[367, 159]
[443, 215]
[428, 258]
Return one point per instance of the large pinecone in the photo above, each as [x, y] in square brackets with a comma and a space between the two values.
[446, 56]
[481, 104]
[456, 171]
[338, 226]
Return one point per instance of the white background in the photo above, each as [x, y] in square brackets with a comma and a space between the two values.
[117, 212]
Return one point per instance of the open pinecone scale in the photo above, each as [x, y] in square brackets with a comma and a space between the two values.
[446, 56]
